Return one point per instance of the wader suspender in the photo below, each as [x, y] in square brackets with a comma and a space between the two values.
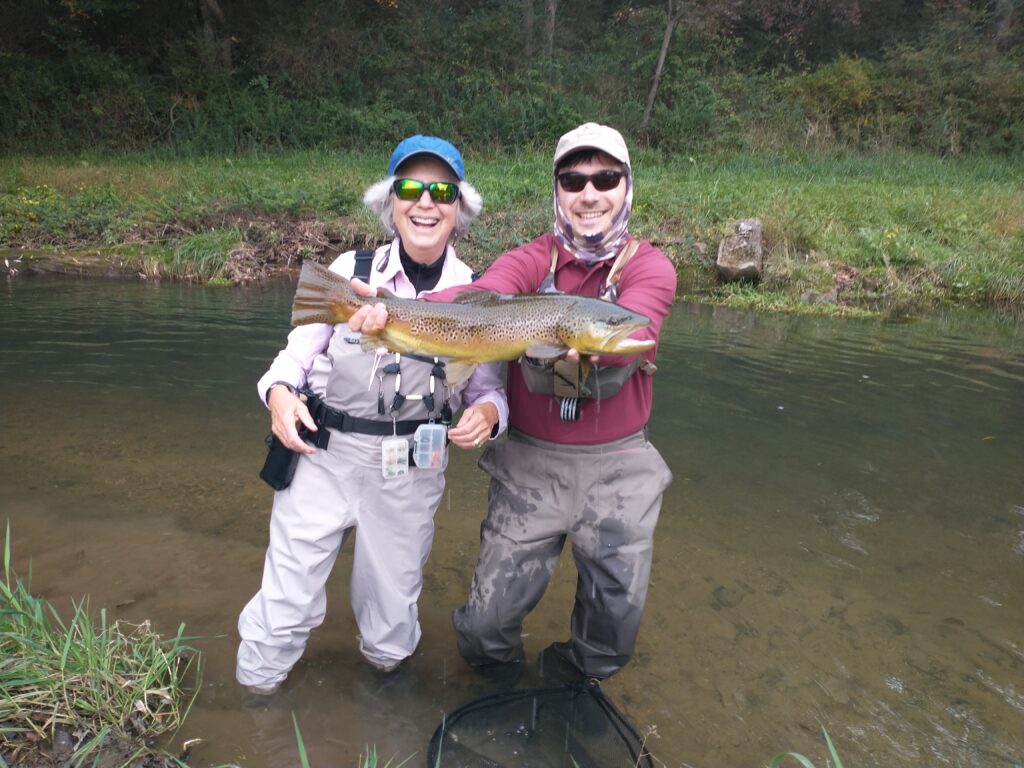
[567, 376]
[364, 260]
[610, 291]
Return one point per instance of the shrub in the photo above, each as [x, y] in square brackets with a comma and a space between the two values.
[837, 99]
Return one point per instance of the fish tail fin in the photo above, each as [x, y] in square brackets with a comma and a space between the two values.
[322, 296]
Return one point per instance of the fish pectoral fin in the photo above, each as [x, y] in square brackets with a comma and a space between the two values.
[585, 367]
[475, 297]
[458, 371]
[371, 342]
[545, 351]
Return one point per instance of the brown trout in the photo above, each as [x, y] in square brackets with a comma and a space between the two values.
[478, 326]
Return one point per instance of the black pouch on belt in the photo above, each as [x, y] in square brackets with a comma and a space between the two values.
[279, 468]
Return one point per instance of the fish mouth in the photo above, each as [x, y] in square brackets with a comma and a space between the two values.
[620, 340]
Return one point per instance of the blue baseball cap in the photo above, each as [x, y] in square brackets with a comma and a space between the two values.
[427, 145]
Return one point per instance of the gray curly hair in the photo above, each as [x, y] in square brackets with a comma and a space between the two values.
[379, 199]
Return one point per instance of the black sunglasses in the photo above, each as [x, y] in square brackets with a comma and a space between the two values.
[603, 181]
[440, 191]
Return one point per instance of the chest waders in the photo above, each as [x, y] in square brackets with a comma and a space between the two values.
[571, 382]
[340, 490]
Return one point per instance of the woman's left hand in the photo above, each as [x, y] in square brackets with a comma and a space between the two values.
[475, 426]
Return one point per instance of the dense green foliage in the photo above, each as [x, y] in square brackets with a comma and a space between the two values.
[203, 75]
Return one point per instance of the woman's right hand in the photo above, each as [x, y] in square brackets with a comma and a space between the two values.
[286, 411]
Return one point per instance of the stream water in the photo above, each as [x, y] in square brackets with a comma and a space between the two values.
[842, 547]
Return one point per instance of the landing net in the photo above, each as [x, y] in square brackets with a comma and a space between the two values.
[566, 726]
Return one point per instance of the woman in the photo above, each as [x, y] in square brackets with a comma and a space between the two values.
[360, 480]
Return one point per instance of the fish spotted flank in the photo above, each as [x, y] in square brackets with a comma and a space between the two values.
[479, 326]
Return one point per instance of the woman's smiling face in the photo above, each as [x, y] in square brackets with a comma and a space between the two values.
[590, 211]
[424, 226]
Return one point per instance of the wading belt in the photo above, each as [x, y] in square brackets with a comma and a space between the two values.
[325, 416]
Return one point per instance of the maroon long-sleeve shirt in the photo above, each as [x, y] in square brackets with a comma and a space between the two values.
[647, 284]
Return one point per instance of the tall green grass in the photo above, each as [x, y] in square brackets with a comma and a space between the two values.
[86, 678]
[204, 256]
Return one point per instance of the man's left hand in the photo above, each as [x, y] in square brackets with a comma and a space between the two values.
[573, 356]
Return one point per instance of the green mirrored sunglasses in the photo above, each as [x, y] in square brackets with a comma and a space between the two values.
[440, 191]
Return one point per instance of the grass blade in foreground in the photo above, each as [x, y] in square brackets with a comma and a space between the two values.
[777, 760]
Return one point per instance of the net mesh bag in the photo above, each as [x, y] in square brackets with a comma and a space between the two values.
[566, 726]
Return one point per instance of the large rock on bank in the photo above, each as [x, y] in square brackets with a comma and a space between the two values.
[741, 254]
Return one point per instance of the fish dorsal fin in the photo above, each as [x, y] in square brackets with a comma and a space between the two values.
[384, 293]
[545, 351]
[475, 297]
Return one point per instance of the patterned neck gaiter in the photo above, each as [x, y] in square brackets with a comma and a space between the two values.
[598, 247]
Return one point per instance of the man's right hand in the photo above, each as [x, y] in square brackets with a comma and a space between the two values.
[286, 411]
[371, 317]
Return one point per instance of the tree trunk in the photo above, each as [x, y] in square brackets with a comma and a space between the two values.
[672, 18]
[217, 54]
[527, 29]
[1003, 20]
[549, 31]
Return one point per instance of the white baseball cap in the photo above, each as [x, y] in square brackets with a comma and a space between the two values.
[593, 136]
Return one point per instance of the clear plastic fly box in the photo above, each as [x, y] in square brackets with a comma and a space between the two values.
[429, 446]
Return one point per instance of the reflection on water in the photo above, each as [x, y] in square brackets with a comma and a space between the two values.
[843, 544]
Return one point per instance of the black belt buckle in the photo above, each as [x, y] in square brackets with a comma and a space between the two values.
[319, 439]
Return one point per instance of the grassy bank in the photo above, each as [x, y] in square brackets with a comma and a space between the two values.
[842, 232]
